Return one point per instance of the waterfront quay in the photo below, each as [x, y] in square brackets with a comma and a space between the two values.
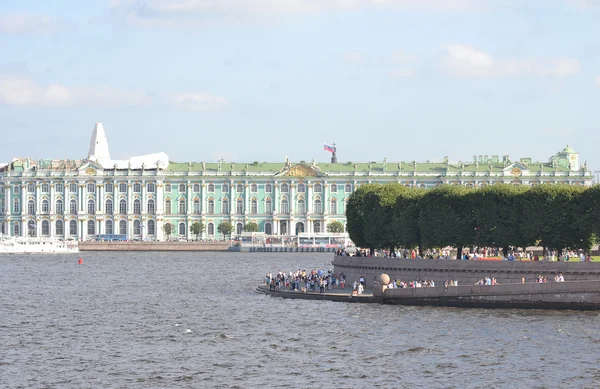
[517, 286]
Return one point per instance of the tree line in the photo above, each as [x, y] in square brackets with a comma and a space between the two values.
[557, 217]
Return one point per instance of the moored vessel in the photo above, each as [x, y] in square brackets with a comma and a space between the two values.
[12, 245]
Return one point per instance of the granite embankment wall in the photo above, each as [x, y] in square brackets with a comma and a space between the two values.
[552, 295]
[465, 272]
[153, 246]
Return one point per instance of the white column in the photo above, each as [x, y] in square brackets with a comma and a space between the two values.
[325, 199]
[292, 199]
[309, 198]
[203, 189]
[52, 205]
[246, 198]
[7, 208]
[24, 227]
[275, 201]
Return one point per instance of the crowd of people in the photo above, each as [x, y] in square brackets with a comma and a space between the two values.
[305, 281]
[477, 253]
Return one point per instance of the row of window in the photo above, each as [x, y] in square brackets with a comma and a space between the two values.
[91, 227]
[90, 186]
[91, 207]
[151, 209]
[239, 207]
[239, 188]
[121, 228]
[151, 187]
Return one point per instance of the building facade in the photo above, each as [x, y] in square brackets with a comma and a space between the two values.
[80, 199]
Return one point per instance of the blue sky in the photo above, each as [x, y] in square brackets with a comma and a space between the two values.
[250, 80]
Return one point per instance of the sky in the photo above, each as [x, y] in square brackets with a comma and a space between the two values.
[262, 80]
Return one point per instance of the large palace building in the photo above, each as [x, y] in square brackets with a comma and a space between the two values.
[80, 199]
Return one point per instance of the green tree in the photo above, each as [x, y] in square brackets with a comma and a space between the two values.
[335, 227]
[197, 228]
[378, 210]
[405, 219]
[446, 218]
[555, 217]
[498, 210]
[251, 227]
[355, 216]
[168, 229]
[225, 228]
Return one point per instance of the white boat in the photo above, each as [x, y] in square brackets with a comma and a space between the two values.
[12, 245]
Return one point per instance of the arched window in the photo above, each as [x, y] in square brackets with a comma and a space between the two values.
[137, 227]
[91, 227]
[108, 206]
[268, 188]
[73, 207]
[211, 188]
[167, 207]
[108, 227]
[210, 229]
[73, 228]
[181, 228]
[137, 207]
[268, 229]
[334, 188]
[238, 228]
[181, 188]
[16, 206]
[151, 227]
[59, 227]
[301, 188]
[196, 206]
[253, 188]
[268, 207]
[123, 207]
[30, 207]
[151, 208]
[348, 188]
[285, 206]
[333, 206]
[285, 188]
[31, 226]
[182, 206]
[239, 207]
[137, 187]
[17, 229]
[123, 227]
[167, 187]
[45, 206]
[225, 206]
[253, 207]
[225, 188]
[240, 188]
[59, 207]
[210, 207]
[318, 188]
[283, 228]
[196, 188]
[91, 207]
[318, 206]
[45, 228]
[316, 227]
[301, 206]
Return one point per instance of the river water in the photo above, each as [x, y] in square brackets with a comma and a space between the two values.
[192, 320]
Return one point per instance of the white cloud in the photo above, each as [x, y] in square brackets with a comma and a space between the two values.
[199, 12]
[23, 23]
[466, 61]
[23, 91]
[198, 101]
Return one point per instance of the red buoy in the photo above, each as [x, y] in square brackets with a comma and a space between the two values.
[80, 261]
